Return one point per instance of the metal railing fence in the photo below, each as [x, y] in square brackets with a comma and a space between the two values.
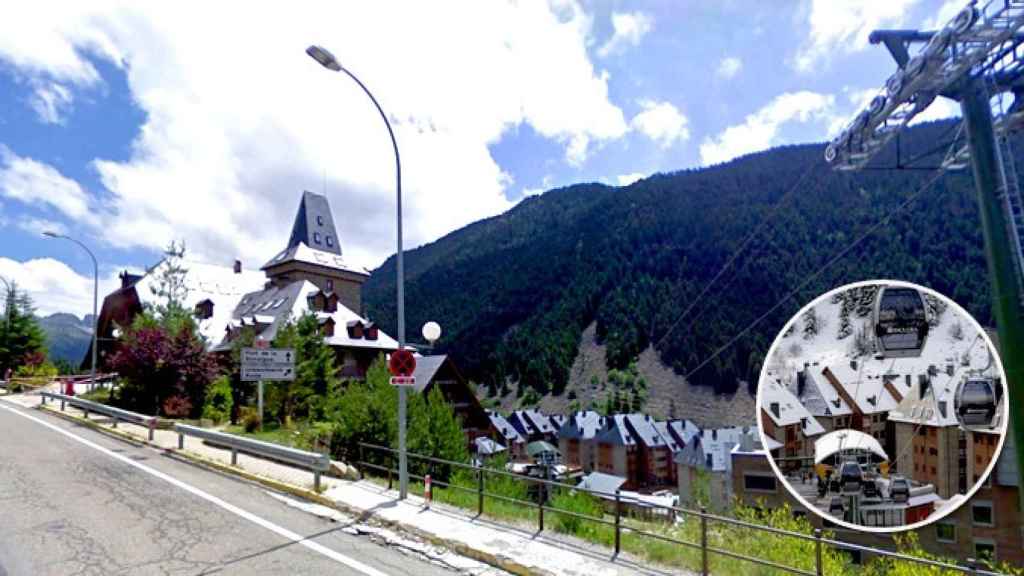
[706, 520]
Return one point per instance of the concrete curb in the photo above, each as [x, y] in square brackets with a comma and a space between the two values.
[370, 517]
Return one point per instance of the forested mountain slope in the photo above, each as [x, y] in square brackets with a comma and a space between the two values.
[515, 292]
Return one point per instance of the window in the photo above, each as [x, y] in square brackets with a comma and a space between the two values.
[945, 532]
[319, 220]
[329, 240]
[985, 549]
[330, 285]
[316, 237]
[982, 513]
[759, 483]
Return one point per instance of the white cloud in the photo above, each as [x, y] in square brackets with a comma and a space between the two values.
[629, 28]
[54, 286]
[946, 12]
[42, 186]
[729, 67]
[760, 129]
[661, 122]
[627, 179]
[843, 27]
[940, 109]
[39, 225]
[51, 102]
[235, 130]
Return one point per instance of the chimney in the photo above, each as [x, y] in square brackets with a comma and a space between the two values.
[942, 408]
[853, 364]
[923, 381]
[801, 383]
[775, 408]
[238, 266]
[124, 279]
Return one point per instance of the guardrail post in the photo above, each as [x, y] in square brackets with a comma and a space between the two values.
[316, 480]
[152, 428]
[817, 552]
[972, 565]
[61, 405]
[86, 413]
[391, 461]
[181, 441]
[234, 457]
[42, 398]
[115, 421]
[703, 541]
[480, 491]
[540, 506]
[618, 521]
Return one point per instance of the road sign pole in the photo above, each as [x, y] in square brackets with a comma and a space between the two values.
[259, 401]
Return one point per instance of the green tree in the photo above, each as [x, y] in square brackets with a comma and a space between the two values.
[22, 341]
[434, 431]
[171, 290]
[316, 376]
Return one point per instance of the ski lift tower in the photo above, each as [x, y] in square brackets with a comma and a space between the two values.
[976, 59]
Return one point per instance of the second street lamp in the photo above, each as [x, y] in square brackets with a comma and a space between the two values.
[95, 296]
[327, 60]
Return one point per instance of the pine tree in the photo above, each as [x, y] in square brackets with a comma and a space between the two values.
[21, 338]
[171, 289]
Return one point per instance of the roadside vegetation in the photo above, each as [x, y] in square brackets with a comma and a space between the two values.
[23, 352]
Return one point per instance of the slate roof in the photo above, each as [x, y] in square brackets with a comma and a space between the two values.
[670, 440]
[644, 431]
[581, 426]
[504, 428]
[602, 483]
[710, 449]
[303, 253]
[314, 224]
[426, 369]
[614, 431]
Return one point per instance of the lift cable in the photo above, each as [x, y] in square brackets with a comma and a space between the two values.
[838, 256]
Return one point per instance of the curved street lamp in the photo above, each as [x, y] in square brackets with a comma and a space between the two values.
[95, 295]
[328, 61]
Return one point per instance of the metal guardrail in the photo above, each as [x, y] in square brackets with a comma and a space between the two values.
[973, 567]
[88, 406]
[318, 463]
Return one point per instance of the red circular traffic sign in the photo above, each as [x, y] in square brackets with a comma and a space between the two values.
[402, 363]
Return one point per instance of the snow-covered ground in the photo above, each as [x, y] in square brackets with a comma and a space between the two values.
[953, 344]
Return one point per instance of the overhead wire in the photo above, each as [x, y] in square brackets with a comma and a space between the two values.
[828, 264]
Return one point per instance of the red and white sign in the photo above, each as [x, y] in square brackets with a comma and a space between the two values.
[403, 381]
[402, 363]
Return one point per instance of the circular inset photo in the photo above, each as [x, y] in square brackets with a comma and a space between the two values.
[882, 406]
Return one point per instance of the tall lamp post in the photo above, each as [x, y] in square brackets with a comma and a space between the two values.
[95, 296]
[327, 60]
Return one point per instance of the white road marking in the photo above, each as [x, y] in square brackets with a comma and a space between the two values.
[279, 530]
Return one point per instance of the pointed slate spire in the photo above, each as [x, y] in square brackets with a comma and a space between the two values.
[314, 225]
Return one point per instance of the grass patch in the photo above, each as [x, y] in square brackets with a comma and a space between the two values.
[272, 432]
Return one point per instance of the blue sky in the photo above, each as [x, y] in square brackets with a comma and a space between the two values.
[129, 128]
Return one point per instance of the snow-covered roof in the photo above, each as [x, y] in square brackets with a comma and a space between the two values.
[670, 440]
[271, 307]
[581, 425]
[710, 450]
[218, 284]
[846, 439]
[504, 429]
[486, 446]
[682, 431]
[643, 429]
[302, 253]
[865, 385]
[935, 407]
[790, 411]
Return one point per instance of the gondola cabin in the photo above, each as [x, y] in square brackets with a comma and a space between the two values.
[901, 322]
[976, 402]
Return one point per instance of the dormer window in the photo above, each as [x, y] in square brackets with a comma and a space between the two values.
[319, 220]
[204, 309]
[329, 240]
[316, 237]
[327, 327]
[355, 329]
[370, 331]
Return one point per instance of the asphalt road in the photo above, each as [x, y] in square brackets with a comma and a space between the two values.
[106, 507]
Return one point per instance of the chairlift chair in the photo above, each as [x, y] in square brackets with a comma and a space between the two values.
[901, 322]
[899, 489]
[851, 478]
